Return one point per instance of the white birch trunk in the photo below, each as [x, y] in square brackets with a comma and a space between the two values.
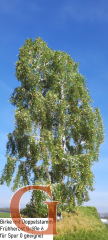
[63, 140]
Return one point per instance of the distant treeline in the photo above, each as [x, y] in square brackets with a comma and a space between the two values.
[101, 215]
[7, 209]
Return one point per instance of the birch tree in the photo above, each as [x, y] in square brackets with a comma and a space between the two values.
[54, 99]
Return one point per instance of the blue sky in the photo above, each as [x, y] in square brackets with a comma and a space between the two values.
[79, 28]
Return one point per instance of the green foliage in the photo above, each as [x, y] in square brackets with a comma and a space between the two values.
[53, 94]
[31, 211]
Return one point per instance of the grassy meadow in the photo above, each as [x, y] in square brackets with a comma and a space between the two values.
[4, 215]
[83, 223]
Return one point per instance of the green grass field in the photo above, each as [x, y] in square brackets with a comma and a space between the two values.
[82, 224]
[4, 215]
